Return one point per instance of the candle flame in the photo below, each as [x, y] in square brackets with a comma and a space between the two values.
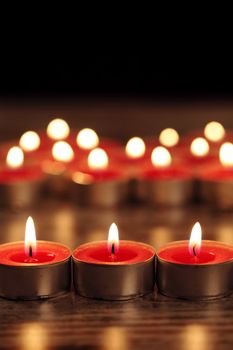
[30, 238]
[62, 152]
[29, 141]
[97, 159]
[214, 131]
[199, 147]
[58, 129]
[195, 240]
[113, 239]
[135, 147]
[87, 139]
[169, 137]
[15, 157]
[226, 154]
[161, 157]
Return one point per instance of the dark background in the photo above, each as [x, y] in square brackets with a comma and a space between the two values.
[116, 75]
[117, 95]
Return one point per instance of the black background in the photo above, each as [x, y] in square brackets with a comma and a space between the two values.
[112, 75]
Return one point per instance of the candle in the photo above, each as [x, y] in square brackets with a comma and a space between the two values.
[163, 183]
[113, 269]
[217, 181]
[214, 132]
[195, 269]
[87, 139]
[29, 141]
[98, 182]
[169, 137]
[19, 182]
[55, 167]
[58, 129]
[33, 269]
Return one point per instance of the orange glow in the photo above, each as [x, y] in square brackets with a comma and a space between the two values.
[199, 147]
[87, 139]
[62, 152]
[30, 238]
[29, 141]
[15, 157]
[226, 154]
[161, 157]
[195, 240]
[135, 147]
[214, 131]
[169, 137]
[58, 129]
[97, 159]
[113, 239]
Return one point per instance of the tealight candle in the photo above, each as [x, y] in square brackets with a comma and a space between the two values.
[195, 269]
[58, 129]
[87, 139]
[34, 269]
[163, 183]
[169, 137]
[217, 181]
[19, 183]
[56, 166]
[113, 269]
[99, 183]
[214, 131]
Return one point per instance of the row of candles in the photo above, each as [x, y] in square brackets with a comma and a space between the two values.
[163, 171]
[116, 269]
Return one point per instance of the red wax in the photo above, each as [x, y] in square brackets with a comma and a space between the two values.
[217, 173]
[129, 252]
[24, 173]
[212, 252]
[166, 173]
[13, 254]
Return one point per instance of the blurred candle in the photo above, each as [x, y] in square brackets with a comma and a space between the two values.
[62, 151]
[15, 158]
[199, 147]
[58, 129]
[97, 159]
[29, 141]
[214, 131]
[87, 139]
[169, 137]
[135, 148]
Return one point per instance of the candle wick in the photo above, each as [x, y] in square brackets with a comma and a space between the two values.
[113, 248]
[30, 251]
[194, 250]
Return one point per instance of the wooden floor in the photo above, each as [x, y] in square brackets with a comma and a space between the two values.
[151, 322]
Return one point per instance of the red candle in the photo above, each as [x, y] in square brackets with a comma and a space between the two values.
[33, 269]
[195, 269]
[97, 182]
[19, 183]
[217, 181]
[162, 183]
[113, 269]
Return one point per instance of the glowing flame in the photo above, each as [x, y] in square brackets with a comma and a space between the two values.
[161, 157]
[199, 147]
[87, 139]
[29, 141]
[97, 159]
[226, 154]
[113, 239]
[15, 157]
[135, 147]
[195, 240]
[58, 129]
[30, 238]
[169, 137]
[214, 131]
[62, 152]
